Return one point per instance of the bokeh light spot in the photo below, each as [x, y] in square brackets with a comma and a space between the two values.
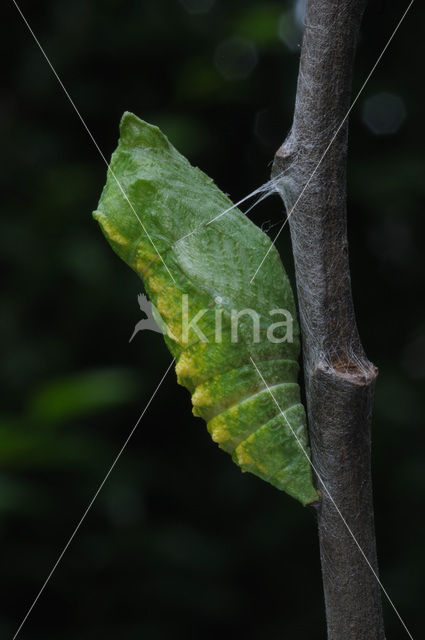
[235, 58]
[383, 113]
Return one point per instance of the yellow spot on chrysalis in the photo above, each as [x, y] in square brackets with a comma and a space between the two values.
[185, 368]
[243, 456]
[145, 258]
[111, 232]
[201, 397]
[219, 432]
[143, 266]
[157, 284]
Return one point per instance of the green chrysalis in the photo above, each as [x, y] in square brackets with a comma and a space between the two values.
[154, 211]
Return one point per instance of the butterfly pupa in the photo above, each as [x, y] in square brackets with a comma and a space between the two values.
[154, 211]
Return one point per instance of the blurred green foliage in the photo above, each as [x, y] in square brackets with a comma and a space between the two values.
[179, 542]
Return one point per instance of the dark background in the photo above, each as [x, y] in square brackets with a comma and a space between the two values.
[179, 543]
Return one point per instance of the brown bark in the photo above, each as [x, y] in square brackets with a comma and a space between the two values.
[339, 378]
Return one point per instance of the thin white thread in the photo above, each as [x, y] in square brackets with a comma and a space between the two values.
[92, 501]
[333, 501]
[332, 140]
[264, 188]
[90, 134]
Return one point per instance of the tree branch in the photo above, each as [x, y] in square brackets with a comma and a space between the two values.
[339, 378]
